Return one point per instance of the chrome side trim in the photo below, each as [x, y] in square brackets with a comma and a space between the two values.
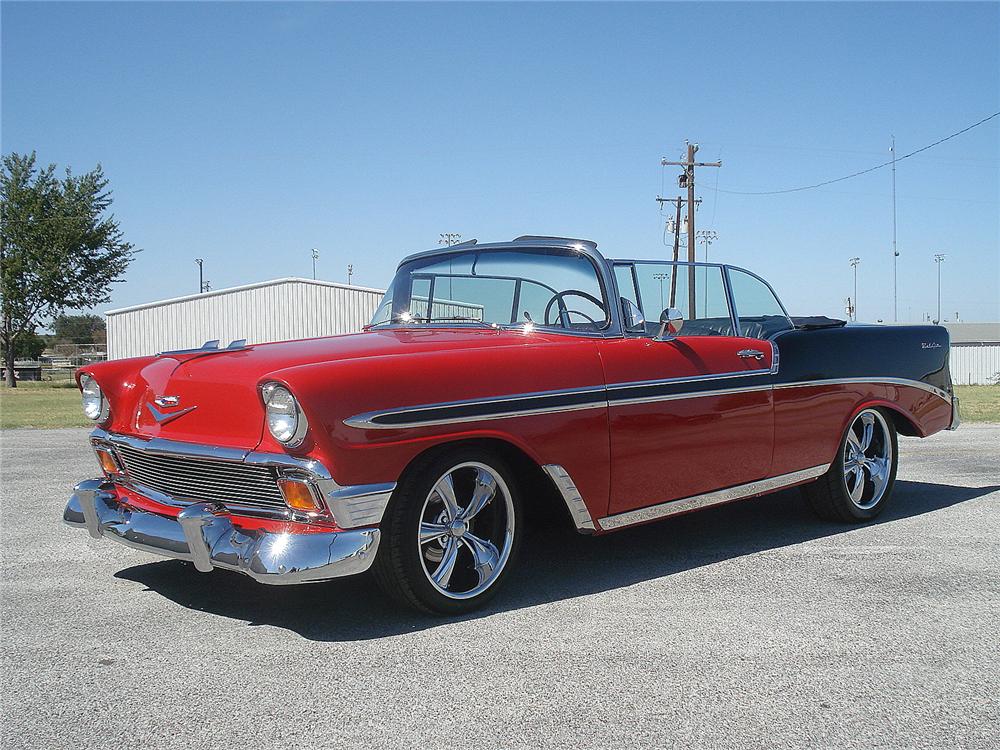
[687, 379]
[571, 496]
[673, 507]
[689, 394]
[205, 535]
[609, 396]
[367, 421]
[873, 380]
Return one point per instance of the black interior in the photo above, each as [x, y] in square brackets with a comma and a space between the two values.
[760, 327]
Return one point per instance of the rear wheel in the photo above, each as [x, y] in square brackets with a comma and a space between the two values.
[859, 483]
[450, 533]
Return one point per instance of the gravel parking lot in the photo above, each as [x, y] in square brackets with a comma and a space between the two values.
[749, 625]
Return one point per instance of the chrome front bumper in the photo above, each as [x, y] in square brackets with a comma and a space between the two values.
[204, 535]
[956, 419]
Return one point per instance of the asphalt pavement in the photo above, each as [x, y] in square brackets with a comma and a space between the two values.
[749, 625]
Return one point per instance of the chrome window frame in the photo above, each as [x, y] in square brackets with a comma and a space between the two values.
[765, 282]
[605, 278]
[605, 268]
[723, 269]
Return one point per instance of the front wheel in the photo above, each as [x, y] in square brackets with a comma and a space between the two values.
[859, 483]
[450, 533]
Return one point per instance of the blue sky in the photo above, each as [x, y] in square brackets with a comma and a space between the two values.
[247, 134]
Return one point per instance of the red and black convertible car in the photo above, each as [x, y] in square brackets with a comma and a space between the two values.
[494, 377]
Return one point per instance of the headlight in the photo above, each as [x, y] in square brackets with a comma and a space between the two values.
[285, 419]
[95, 406]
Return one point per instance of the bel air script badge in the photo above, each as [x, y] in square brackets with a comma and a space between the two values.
[167, 401]
[930, 345]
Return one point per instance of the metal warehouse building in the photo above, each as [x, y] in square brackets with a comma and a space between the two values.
[975, 353]
[276, 310]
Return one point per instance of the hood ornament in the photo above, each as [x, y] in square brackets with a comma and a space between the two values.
[166, 402]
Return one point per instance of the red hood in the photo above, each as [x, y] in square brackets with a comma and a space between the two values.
[215, 394]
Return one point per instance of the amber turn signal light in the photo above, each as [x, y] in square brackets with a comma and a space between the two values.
[108, 462]
[299, 495]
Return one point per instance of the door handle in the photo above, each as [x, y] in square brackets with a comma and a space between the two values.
[750, 354]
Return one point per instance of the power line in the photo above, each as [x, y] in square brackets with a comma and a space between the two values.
[864, 171]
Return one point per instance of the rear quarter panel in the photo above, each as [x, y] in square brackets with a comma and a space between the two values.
[812, 409]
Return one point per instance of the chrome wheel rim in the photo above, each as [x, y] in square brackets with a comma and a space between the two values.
[867, 459]
[466, 530]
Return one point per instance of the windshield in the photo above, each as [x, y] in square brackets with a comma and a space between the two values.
[553, 288]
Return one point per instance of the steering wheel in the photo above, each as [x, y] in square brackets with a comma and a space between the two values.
[558, 297]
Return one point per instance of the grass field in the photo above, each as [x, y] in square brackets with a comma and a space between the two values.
[57, 404]
[979, 403]
[41, 404]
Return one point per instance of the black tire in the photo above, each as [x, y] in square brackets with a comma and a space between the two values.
[401, 566]
[830, 495]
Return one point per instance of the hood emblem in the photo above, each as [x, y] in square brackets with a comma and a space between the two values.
[167, 401]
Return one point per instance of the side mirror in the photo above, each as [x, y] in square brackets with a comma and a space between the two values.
[671, 322]
[632, 317]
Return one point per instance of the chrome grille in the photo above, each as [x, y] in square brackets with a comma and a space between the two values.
[187, 478]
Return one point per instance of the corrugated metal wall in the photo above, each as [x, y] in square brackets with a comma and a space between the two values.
[975, 364]
[270, 311]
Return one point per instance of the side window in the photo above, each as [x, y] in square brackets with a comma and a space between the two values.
[697, 291]
[757, 309]
[626, 285]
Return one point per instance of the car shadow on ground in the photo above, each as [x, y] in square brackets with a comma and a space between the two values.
[556, 564]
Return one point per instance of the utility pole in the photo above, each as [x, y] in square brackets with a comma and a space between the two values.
[350, 273]
[315, 256]
[854, 264]
[675, 225]
[201, 274]
[686, 179]
[939, 259]
[895, 253]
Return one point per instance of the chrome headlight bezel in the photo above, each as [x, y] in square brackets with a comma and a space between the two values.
[95, 403]
[280, 408]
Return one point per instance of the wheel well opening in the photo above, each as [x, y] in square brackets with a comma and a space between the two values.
[901, 423]
[541, 500]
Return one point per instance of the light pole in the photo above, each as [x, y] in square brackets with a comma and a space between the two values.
[315, 256]
[350, 273]
[854, 264]
[707, 237]
[939, 259]
[660, 277]
[201, 275]
[448, 239]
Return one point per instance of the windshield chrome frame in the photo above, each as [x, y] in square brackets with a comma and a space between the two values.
[605, 275]
[586, 249]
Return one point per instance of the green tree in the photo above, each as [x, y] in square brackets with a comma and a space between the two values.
[29, 345]
[60, 249]
[79, 329]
